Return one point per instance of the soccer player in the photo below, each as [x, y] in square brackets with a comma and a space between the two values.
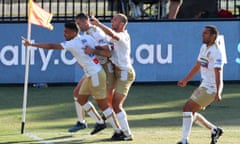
[123, 69]
[103, 52]
[94, 81]
[210, 63]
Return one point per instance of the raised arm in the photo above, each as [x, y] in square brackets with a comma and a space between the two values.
[43, 45]
[106, 29]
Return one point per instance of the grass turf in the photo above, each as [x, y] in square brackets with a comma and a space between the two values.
[154, 113]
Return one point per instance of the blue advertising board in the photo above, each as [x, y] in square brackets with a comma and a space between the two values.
[161, 51]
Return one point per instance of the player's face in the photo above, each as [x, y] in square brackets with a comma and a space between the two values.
[115, 22]
[83, 25]
[69, 34]
[206, 36]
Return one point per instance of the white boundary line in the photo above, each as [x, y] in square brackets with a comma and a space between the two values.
[43, 141]
[36, 138]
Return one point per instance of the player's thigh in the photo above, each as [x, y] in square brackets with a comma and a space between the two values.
[124, 80]
[110, 77]
[202, 97]
[84, 88]
[98, 85]
[77, 88]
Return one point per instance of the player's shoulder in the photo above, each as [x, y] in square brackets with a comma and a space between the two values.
[74, 40]
[215, 48]
[96, 29]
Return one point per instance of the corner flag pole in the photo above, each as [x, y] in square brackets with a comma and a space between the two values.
[40, 17]
[27, 50]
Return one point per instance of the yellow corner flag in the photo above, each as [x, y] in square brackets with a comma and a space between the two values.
[39, 16]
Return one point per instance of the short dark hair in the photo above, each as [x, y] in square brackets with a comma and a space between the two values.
[213, 29]
[72, 25]
[82, 16]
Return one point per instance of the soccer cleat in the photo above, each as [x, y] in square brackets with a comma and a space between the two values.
[98, 127]
[128, 138]
[216, 134]
[117, 136]
[121, 137]
[77, 127]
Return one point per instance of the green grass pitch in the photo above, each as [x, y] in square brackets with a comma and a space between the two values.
[154, 114]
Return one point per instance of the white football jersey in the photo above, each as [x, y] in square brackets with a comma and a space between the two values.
[89, 63]
[101, 39]
[121, 51]
[210, 58]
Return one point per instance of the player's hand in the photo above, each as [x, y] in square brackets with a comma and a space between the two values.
[182, 83]
[218, 97]
[26, 42]
[94, 20]
[88, 50]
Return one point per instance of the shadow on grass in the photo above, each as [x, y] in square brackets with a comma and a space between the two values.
[56, 103]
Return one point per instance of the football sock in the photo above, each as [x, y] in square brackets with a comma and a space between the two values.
[122, 119]
[79, 111]
[90, 109]
[200, 120]
[111, 117]
[186, 125]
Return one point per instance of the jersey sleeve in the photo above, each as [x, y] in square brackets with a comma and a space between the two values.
[218, 59]
[67, 44]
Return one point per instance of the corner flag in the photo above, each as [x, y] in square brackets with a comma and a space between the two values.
[39, 16]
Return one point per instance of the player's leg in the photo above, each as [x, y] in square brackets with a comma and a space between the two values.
[187, 120]
[92, 112]
[216, 132]
[200, 98]
[124, 80]
[174, 8]
[80, 124]
[203, 122]
[83, 96]
[98, 91]
[110, 80]
[206, 97]
[109, 114]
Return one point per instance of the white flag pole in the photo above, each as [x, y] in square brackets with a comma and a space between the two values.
[27, 50]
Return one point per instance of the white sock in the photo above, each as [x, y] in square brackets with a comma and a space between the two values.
[122, 119]
[201, 121]
[79, 111]
[111, 117]
[186, 125]
[90, 109]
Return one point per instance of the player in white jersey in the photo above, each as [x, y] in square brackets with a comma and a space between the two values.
[103, 53]
[123, 69]
[210, 63]
[94, 82]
